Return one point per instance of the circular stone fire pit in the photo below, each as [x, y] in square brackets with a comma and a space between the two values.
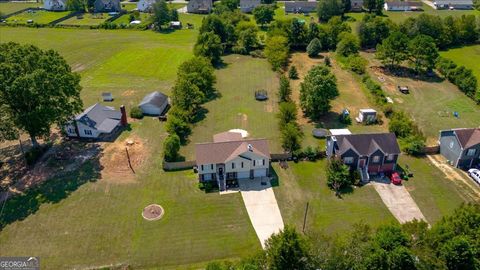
[153, 212]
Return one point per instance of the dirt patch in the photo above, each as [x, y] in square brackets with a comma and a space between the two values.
[63, 157]
[455, 175]
[129, 93]
[115, 161]
[78, 67]
[269, 108]
[153, 212]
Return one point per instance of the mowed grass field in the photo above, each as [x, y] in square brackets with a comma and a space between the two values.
[100, 222]
[236, 106]
[306, 182]
[87, 19]
[430, 103]
[9, 7]
[468, 56]
[37, 16]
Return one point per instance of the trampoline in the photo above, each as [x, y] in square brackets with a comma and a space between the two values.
[319, 133]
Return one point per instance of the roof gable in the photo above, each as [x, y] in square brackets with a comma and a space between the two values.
[468, 137]
[221, 152]
[366, 144]
[95, 116]
[155, 98]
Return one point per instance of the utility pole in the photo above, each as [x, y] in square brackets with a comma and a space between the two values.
[305, 218]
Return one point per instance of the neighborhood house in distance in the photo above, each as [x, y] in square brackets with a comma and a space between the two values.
[55, 5]
[402, 6]
[107, 6]
[229, 157]
[453, 4]
[97, 122]
[145, 5]
[200, 6]
[461, 147]
[370, 154]
[247, 6]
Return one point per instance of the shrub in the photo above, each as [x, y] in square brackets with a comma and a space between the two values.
[388, 110]
[136, 113]
[284, 92]
[375, 89]
[327, 61]
[357, 64]
[277, 51]
[413, 145]
[345, 119]
[338, 175]
[171, 147]
[176, 125]
[292, 73]
[314, 47]
[311, 153]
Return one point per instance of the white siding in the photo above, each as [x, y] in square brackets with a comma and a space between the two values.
[260, 173]
[207, 168]
[82, 128]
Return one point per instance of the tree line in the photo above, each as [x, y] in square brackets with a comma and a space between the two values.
[450, 244]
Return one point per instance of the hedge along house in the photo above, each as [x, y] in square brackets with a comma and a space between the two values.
[461, 147]
[155, 103]
[55, 5]
[97, 122]
[370, 154]
[229, 157]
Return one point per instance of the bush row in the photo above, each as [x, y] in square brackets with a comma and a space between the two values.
[461, 76]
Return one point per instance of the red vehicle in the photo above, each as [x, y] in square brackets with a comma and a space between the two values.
[396, 180]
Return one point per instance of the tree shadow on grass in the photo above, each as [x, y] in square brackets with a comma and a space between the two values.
[406, 72]
[53, 190]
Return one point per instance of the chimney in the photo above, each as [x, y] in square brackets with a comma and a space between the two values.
[123, 121]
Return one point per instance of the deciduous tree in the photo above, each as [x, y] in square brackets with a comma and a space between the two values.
[393, 50]
[209, 45]
[263, 14]
[317, 90]
[314, 47]
[37, 89]
[284, 91]
[423, 53]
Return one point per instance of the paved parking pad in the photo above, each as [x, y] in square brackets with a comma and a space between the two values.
[262, 207]
[399, 202]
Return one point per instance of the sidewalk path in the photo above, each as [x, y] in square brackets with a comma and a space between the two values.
[262, 207]
[399, 202]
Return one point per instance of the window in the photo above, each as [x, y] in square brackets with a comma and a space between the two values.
[376, 159]
[201, 167]
[211, 166]
[263, 162]
[242, 164]
[87, 132]
[451, 144]
[471, 152]
[233, 165]
[348, 160]
[254, 162]
[70, 130]
[390, 157]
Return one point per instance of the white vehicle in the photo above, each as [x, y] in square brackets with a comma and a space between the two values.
[475, 174]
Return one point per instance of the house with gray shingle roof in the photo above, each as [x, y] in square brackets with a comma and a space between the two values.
[154, 103]
[107, 6]
[96, 121]
[300, 6]
[200, 6]
[55, 5]
[229, 158]
[461, 147]
[370, 154]
[145, 5]
[247, 6]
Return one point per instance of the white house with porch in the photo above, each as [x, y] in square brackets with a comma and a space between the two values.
[230, 158]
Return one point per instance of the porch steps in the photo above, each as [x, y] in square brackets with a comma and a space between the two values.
[364, 174]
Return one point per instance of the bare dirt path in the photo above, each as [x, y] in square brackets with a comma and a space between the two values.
[457, 176]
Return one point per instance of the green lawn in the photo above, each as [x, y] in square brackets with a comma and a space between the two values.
[431, 103]
[435, 195]
[306, 182]
[9, 7]
[99, 223]
[468, 56]
[145, 18]
[87, 19]
[236, 107]
[38, 16]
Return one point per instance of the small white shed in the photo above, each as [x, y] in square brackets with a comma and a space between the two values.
[366, 116]
[154, 103]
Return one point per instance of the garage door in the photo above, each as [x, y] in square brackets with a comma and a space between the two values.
[260, 173]
[207, 177]
[243, 175]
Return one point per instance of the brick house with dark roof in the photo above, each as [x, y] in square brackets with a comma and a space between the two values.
[371, 154]
[230, 157]
[461, 147]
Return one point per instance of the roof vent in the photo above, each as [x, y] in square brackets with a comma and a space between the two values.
[250, 147]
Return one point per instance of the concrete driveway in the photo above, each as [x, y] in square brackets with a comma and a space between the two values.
[262, 207]
[398, 201]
